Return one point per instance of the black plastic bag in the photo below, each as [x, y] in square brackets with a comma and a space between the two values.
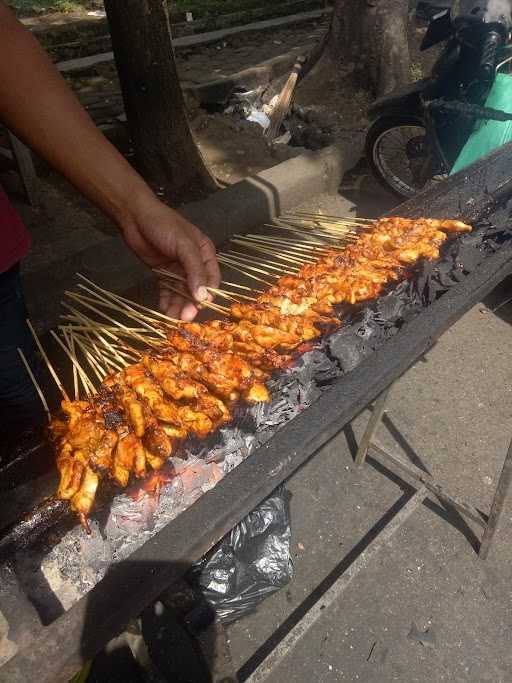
[250, 563]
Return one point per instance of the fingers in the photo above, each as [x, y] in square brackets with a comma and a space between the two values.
[176, 306]
[189, 255]
[211, 265]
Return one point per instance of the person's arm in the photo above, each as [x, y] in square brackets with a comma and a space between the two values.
[37, 104]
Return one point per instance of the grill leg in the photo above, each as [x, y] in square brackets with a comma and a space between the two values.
[374, 421]
[498, 503]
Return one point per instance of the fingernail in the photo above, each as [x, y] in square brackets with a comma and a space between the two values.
[201, 294]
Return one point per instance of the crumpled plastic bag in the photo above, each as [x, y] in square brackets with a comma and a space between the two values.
[250, 563]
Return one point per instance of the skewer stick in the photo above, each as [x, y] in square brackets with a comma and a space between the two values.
[96, 367]
[83, 377]
[226, 261]
[47, 361]
[88, 385]
[71, 344]
[202, 304]
[103, 341]
[304, 231]
[35, 383]
[84, 302]
[179, 278]
[293, 245]
[319, 228]
[273, 265]
[330, 217]
[238, 286]
[118, 297]
[264, 250]
[126, 310]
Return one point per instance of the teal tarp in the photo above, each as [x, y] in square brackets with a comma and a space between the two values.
[489, 135]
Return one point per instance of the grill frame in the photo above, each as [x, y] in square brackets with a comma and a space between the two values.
[82, 631]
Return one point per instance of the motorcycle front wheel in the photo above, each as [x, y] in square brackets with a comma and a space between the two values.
[399, 154]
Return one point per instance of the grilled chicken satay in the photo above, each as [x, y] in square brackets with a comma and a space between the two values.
[223, 372]
[220, 339]
[227, 336]
[265, 336]
[178, 421]
[181, 388]
[267, 314]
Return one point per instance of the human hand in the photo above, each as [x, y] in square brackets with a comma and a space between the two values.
[162, 238]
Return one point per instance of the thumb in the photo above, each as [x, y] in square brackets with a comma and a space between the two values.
[189, 255]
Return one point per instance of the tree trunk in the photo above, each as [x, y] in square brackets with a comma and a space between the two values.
[372, 35]
[165, 151]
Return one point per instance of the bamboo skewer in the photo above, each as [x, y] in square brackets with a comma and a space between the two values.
[327, 216]
[96, 367]
[118, 297]
[279, 255]
[228, 258]
[83, 301]
[290, 244]
[273, 265]
[88, 385]
[131, 313]
[35, 383]
[342, 234]
[71, 347]
[238, 286]
[225, 261]
[47, 361]
[203, 304]
[223, 293]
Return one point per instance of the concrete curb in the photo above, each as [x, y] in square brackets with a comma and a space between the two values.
[184, 42]
[258, 199]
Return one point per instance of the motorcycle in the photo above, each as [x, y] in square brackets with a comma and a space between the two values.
[417, 132]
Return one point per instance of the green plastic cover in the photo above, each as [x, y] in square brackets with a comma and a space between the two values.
[489, 135]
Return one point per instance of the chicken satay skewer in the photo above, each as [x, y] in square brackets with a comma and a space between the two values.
[47, 361]
[36, 384]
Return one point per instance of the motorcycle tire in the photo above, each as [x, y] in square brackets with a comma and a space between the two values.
[374, 135]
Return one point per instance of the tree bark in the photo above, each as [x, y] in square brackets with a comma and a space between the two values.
[372, 35]
[165, 151]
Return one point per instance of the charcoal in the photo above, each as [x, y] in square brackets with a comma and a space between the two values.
[348, 349]
[391, 307]
[315, 365]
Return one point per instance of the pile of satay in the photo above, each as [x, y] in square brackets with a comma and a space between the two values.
[153, 382]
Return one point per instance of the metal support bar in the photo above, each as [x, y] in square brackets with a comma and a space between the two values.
[378, 411]
[489, 523]
[498, 503]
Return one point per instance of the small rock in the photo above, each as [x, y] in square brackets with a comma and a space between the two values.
[426, 638]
